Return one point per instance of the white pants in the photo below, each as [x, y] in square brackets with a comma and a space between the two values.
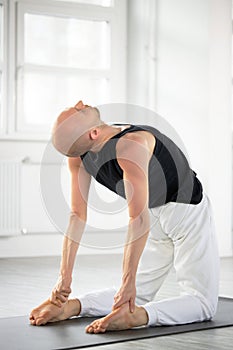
[183, 236]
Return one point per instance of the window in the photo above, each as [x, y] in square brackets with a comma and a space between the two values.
[232, 74]
[1, 65]
[63, 51]
[94, 2]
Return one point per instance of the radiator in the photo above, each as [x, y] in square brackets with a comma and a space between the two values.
[10, 188]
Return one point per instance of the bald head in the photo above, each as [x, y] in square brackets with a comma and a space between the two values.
[71, 130]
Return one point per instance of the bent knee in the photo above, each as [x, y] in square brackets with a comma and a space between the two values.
[208, 307]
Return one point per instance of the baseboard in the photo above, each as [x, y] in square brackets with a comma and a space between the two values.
[50, 244]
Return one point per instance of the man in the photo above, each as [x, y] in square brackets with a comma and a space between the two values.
[144, 166]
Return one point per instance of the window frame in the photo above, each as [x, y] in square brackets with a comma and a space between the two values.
[17, 128]
[3, 69]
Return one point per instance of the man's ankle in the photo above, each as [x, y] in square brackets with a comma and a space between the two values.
[75, 307]
[141, 316]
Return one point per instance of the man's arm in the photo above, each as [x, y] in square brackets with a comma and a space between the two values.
[133, 156]
[80, 184]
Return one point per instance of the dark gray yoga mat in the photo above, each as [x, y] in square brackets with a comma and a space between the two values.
[17, 334]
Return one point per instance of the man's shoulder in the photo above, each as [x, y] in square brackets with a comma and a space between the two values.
[131, 139]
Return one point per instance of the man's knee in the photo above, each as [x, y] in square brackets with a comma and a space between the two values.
[208, 307]
[211, 308]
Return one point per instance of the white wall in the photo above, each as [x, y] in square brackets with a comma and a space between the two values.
[142, 48]
[220, 120]
[39, 236]
[182, 69]
[193, 90]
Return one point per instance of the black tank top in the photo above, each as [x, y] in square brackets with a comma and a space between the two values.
[170, 177]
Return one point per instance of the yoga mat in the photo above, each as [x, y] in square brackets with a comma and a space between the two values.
[17, 334]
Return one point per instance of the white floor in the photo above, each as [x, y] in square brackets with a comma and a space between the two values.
[26, 282]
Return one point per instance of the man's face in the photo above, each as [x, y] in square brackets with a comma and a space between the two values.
[79, 106]
[68, 120]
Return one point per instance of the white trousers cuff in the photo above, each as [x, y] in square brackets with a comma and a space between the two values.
[152, 314]
[97, 303]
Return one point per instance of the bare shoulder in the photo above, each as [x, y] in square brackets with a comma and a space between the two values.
[131, 142]
[134, 151]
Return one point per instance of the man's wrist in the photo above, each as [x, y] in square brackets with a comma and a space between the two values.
[65, 280]
[128, 277]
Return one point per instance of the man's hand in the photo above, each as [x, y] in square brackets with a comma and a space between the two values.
[127, 293]
[60, 292]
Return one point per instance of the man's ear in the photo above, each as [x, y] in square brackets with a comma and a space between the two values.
[94, 134]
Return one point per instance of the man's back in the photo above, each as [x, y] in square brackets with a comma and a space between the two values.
[170, 177]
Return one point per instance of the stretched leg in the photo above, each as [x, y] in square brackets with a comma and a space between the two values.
[97, 303]
[197, 267]
[155, 263]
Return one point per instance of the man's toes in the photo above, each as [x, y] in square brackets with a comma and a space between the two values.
[89, 329]
[41, 321]
[97, 326]
[99, 330]
[32, 319]
[43, 318]
[92, 327]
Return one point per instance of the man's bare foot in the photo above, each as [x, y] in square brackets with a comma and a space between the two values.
[119, 319]
[48, 312]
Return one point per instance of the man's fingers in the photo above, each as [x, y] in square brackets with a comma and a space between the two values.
[57, 303]
[57, 298]
[61, 298]
[117, 298]
[116, 305]
[65, 292]
[53, 297]
[131, 305]
[61, 295]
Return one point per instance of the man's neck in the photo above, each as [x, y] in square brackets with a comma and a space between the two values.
[106, 133]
